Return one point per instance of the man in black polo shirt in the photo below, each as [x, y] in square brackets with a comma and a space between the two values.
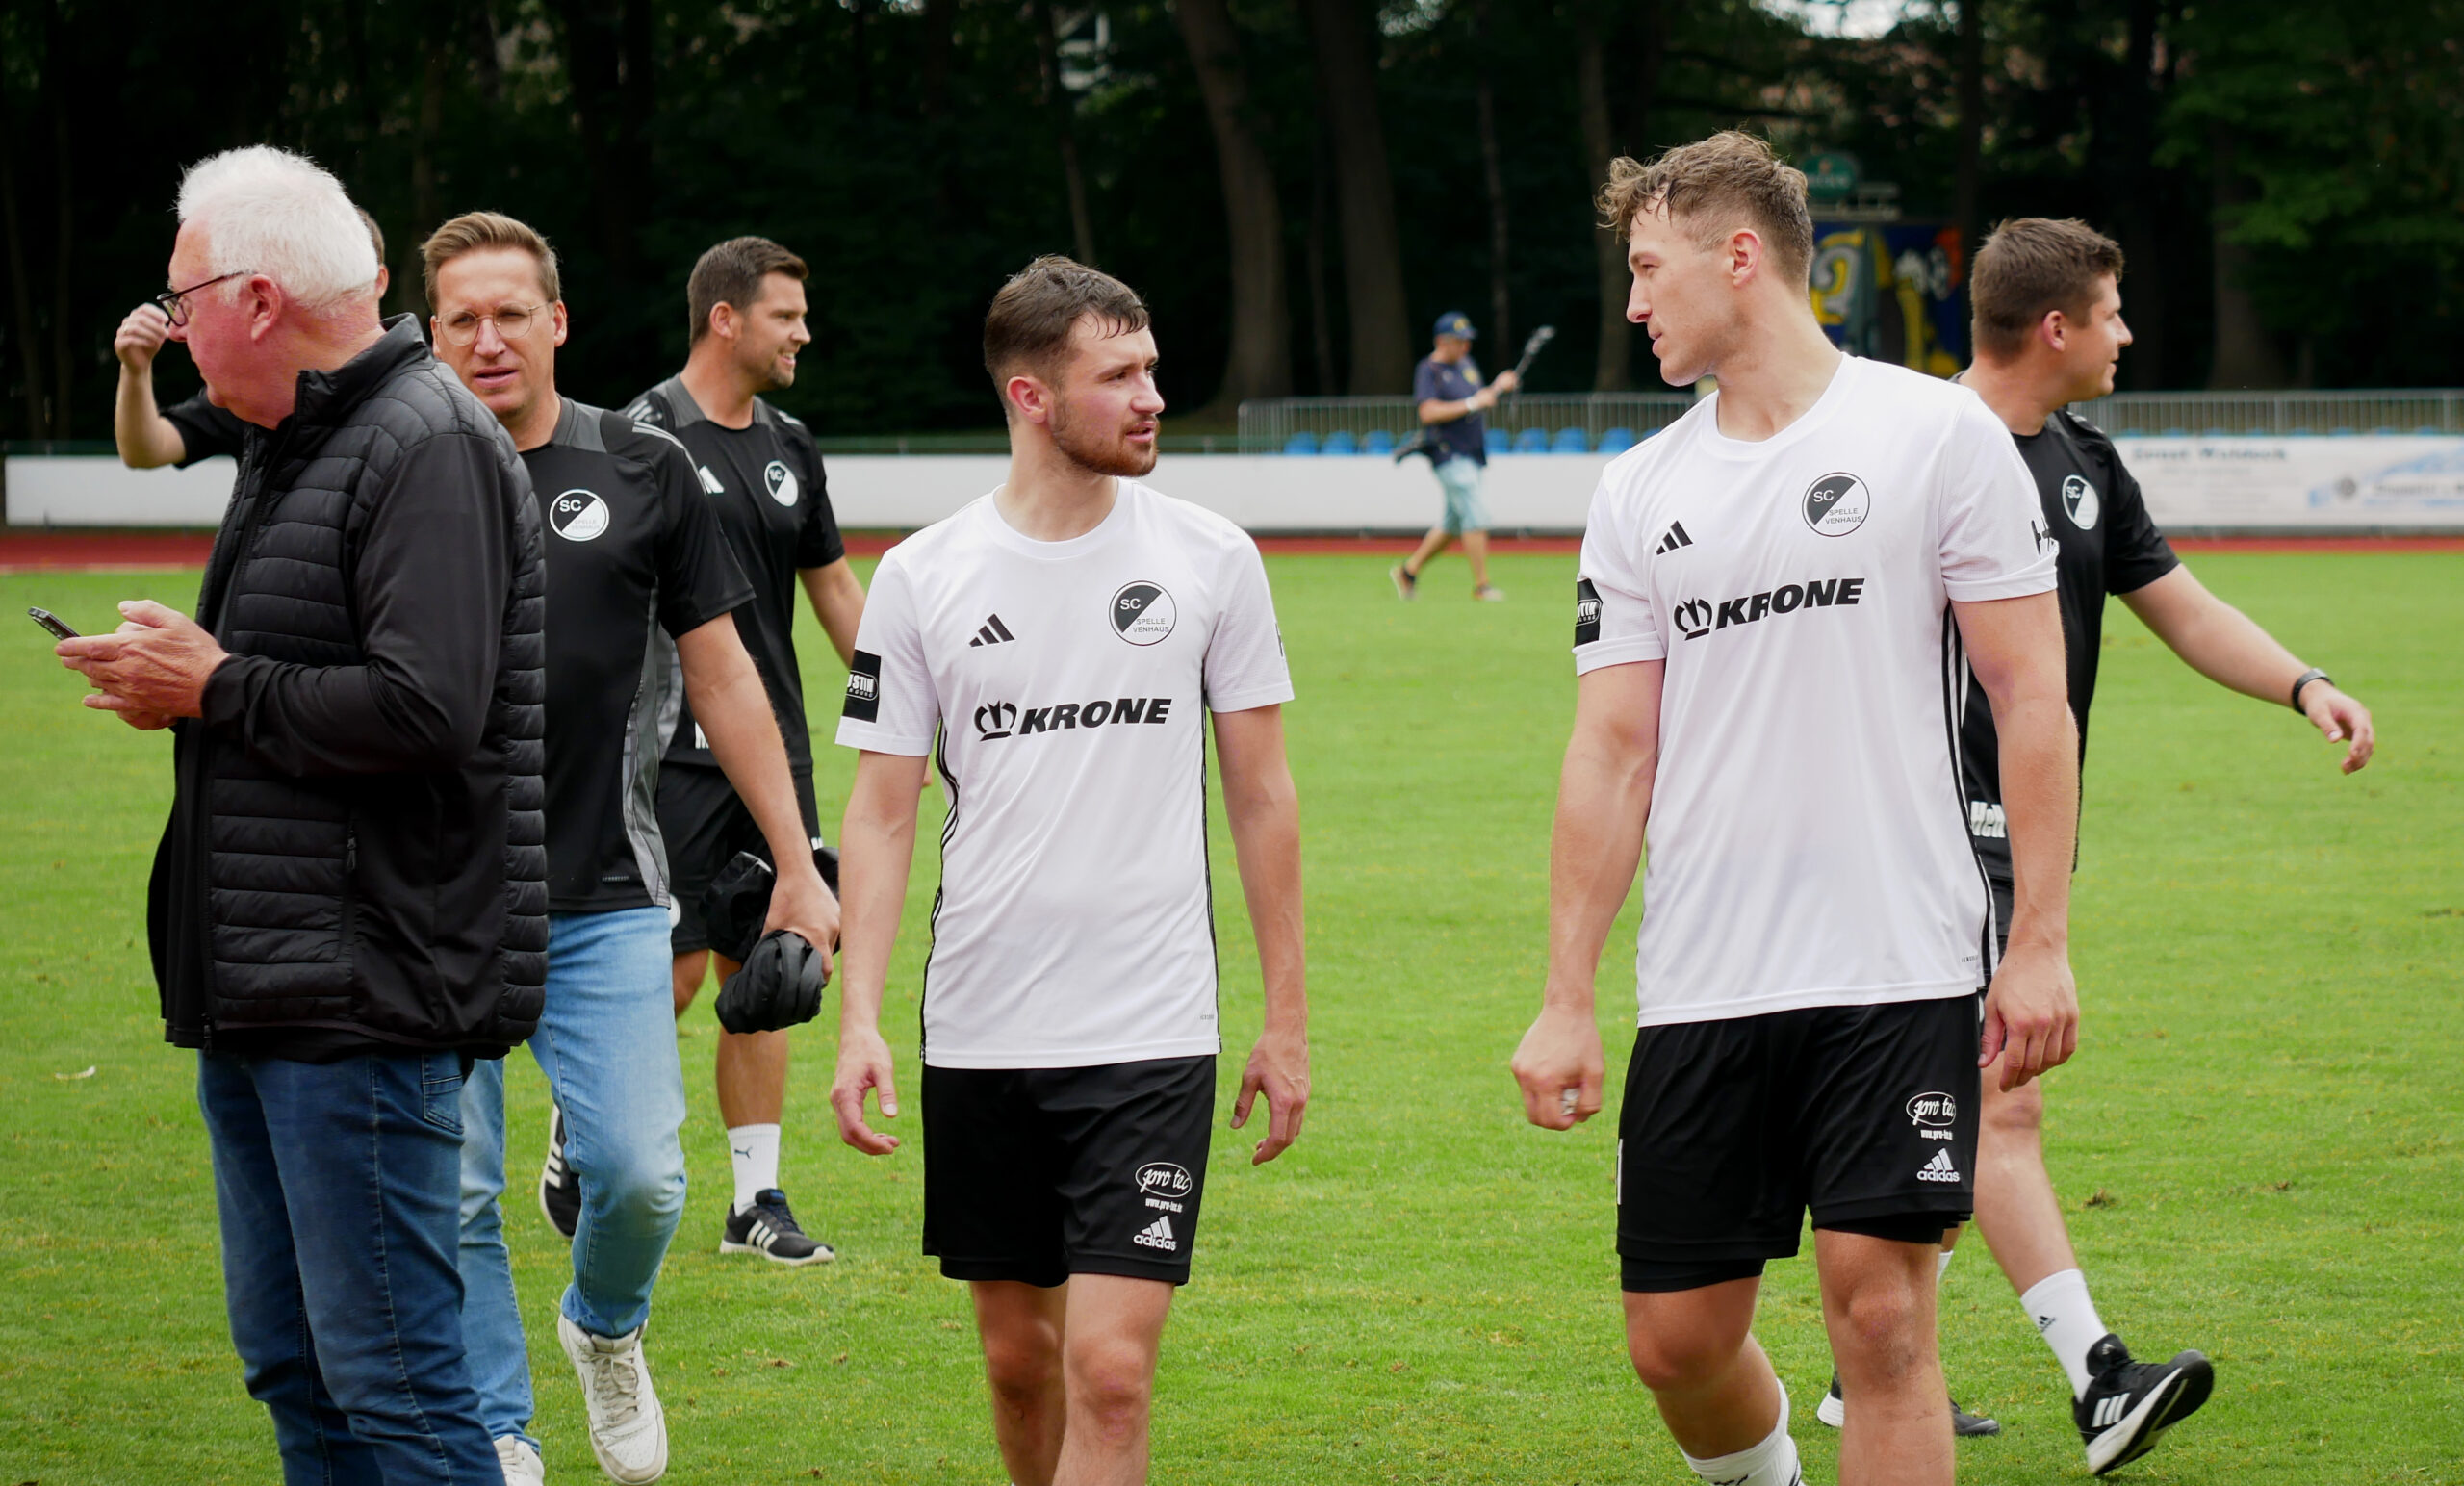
[2049, 331]
[192, 428]
[764, 481]
[641, 596]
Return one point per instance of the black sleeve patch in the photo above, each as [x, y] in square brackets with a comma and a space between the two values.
[864, 687]
[1586, 612]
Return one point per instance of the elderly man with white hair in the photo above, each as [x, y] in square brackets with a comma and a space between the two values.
[350, 903]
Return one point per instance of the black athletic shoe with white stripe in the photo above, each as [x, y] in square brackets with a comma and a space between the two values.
[768, 1228]
[1833, 1410]
[2129, 1403]
[559, 1187]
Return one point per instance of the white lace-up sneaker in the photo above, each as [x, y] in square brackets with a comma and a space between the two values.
[522, 1463]
[627, 1428]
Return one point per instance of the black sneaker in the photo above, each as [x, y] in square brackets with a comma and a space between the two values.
[769, 1229]
[1407, 585]
[559, 1187]
[1833, 1410]
[2129, 1404]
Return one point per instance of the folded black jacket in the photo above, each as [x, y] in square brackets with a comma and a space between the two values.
[355, 860]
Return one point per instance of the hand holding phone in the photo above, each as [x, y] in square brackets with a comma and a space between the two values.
[51, 621]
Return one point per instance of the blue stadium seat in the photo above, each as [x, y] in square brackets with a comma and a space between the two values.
[2300, 433]
[1498, 442]
[2427, 432]
[2217, 433]
[2130, 433]
[1338, 441]
[1301, 444]
[2340, 433]
[1532, 441]
[2382, 431]
[2177, 433]
[1616, 441]
[1378, 441]
[1569, 441]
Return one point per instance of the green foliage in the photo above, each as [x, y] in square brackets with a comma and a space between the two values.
[2256, 1148]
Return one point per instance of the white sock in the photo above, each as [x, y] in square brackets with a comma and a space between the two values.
[2066, 1318]
[1942, 1264]
[754, 1150]
[1771, 1463]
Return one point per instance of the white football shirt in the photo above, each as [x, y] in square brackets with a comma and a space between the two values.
[1808, 840]
[1070, 684]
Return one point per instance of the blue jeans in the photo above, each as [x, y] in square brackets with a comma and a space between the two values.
[335, 1183]
[607, 1041]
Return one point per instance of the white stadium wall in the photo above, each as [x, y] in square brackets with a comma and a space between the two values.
[2367, 484]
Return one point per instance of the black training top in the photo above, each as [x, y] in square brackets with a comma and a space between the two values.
[2094, 514]
[205, 430]
[630, 539]
[765, 482]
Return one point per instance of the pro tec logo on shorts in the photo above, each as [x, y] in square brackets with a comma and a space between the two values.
[864, 687]
[1836, 504]
[1933, 1114]
[1586, 612]
[1143, 613]
[2079, 498]
[782, 482]
[1164, 1179]
[577, 515]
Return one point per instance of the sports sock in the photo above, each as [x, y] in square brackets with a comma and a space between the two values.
[1942, 1264]
[2066, 1318]
[1771, 1463]
[754, 1150]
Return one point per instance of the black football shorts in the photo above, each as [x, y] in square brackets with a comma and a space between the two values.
[703, 825]
[1732, 1130]
[1036, 1175]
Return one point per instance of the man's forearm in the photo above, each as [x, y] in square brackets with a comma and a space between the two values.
[2216, 639]
[1266, 839]
[2040, 764]
[837, 600]
[146, 439]
[1602, 801]
[877, 848]
[734, 712]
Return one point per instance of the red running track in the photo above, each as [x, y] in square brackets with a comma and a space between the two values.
[143, 551]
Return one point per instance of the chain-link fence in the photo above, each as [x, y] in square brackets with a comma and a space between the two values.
[1605, 422]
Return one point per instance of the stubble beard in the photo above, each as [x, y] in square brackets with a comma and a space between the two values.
[1092, 452]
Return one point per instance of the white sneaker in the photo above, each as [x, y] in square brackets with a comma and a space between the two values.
[522, 1463]
[627, 1428]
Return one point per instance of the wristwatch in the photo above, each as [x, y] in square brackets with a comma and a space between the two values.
[2313, 673]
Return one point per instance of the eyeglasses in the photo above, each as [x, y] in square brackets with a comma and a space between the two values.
[512, 323]
[175, 304]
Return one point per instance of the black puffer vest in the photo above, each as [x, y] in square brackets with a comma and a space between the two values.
[405, 905]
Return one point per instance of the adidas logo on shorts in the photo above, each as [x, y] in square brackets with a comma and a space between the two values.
[1158, 1234]
[1938, 1169]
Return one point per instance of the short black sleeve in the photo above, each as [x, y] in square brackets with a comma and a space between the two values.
[699, 579]
[818, 543]
[205, 430]
[2136, 553]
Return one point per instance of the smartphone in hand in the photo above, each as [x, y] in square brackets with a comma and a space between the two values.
[51, 621]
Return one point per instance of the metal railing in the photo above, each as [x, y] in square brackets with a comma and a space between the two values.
[2281, 413]
[1536, 423]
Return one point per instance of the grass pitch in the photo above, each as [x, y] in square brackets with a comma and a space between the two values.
[2257, 1148]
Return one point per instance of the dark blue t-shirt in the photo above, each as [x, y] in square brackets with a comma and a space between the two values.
[1452, 381]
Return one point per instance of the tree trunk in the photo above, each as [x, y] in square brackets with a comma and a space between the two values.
[940, 31]
[2137, 216]
[1610, 368]
[1259, 361]
[2245, 354]
[595, 68]
[21, 297]
[1322, 332]
[1057, 101]
[1345, 40]
[1493, 175]
[424, 209]
[63, 341]
[1971, 126]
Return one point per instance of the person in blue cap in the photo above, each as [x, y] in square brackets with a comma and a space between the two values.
[1450, 396]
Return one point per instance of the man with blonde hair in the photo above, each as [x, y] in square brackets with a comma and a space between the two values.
[349, 905]
[1781, 599]
[642, 600]
[2047, 296]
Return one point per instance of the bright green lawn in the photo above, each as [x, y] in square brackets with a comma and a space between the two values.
[2258, 1145]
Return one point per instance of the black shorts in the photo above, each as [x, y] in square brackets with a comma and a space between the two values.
[1036, 1175]
[1994, 853]
[1732, 1130]
[704, 825]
